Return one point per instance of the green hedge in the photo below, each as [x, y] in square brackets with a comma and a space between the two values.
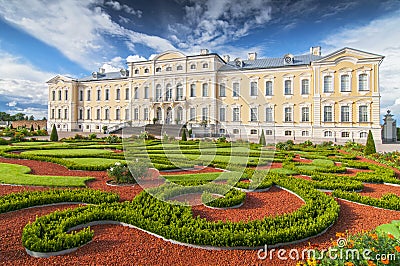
[387, 201]
[49, 233]
[17, 201]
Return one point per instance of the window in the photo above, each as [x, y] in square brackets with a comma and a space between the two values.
[98, 114]
[107, 97]
[66, 95]
[59, 95]
[236, 88]
[253, 131]
[158, 69]
[98, 95]
[53, 95]
[168, 69]
[222, 90]
[146, 114]
[328, 84]
[253, 88]
[80, 95]
[88, 114]
[222, 114]
[362, 82]
[179, 92]
[127, 116]
[305, 86]
[221, 131]
[269, 115]
[193, 66]
[65, 113]
[52, 113]
[158, 93]
[205, 65]
[88, 95]
[117, 114]
[305, 114]
[80, 114]
[168, 96]
[107, 114]
[288, 114]
[288, 133]
[192, 90]
[126, 93]
[345, 83]
[205, 90]
[136, 93]
[136, 114]
[146, 70]
[236, 115]
[363, 113]
[87, 126]
[253, 114]
[192, 114]
[345, 134]
[288, 87]
[235, 131]
[136, 71]
[268, 88]
[118, 94]
[179, 114]
[146, 92]
[179, 67]
[59, 114]
[304, 133]
[268, 132]
[204, 114]
[328, 116]
[363, 135]
[345, 114]
[327, 134]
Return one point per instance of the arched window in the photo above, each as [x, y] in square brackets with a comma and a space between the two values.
[146, 70]
[168, 96]
[363, 82]
[328, 87]
[168, 68]
[179, 92]
[158, 93]
[192, 66]
[158, 69]
[327, 134]
[179, 67]
[344, 83]
[136, 71]
[205, 65]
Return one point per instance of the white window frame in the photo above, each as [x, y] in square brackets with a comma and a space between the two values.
[222, 110]
[308, 114]
[222, 85]
[253, 93]
[332, 113]
[252, 108]
[367, 114]
[332, 83]
[329, 133]
[235, 92]
[235, 116]
[272, 87]
[285, 120]
[349, 105]
[345, 73]
[204, 88]
[301, 86]
[290, 82]
[368, 73]
[193, 85]
[271, 108]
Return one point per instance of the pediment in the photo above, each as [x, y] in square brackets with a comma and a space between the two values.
[59, 79]
[348, 54]
[168, 55]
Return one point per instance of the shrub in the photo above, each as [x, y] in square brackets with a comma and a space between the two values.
[54, 134]
[92, 136]
[113, 139]
[262, 141]
[184, 138]
[4, 142]
[370, 146]
[128, 174]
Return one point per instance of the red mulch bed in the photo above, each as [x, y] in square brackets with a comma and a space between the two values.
[118, 245]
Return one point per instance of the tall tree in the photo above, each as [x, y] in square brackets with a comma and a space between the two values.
[262, 139]
[31, 117]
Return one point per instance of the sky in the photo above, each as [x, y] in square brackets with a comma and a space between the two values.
[40, 39]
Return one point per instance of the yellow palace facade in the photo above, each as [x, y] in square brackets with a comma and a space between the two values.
[306, 97]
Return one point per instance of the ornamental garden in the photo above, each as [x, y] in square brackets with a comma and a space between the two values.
[142, 200]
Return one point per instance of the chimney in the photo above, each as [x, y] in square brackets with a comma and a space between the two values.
[226, 58]
[315, 50]
[204, 51]
[252, 56]
[102, 70]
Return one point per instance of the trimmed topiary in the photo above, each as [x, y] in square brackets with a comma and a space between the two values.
[54, 134]
[262, 139]
[184, 138]
[370, 146]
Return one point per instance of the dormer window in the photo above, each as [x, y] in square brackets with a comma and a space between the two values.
[146, 70]
[193, 66]
[168, 69]
[205, 65]
[288, 59]
[136, 71]
[158, 69]
[179, 67]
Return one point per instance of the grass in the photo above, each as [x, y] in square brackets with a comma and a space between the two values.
[19, 175]
[323, 163]
[94, 161]
[282, 171]
[203, 176]
[68, 152]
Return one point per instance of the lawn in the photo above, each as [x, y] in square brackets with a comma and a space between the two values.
[203, 176]
[19, 175]
[68, 152]
[102, 162]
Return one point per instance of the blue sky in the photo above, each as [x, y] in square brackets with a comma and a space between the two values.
[39, 39]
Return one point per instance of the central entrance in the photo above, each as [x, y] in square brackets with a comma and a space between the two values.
[168, 120]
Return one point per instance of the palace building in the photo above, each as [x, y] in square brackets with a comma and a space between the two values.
[299, 97]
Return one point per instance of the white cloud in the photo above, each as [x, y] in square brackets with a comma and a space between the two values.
[12, 104]
[135, 58]
[380, 36]
[152, 56]
[77, 29]
[38, 113]
[117, 6]
[212, 23]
